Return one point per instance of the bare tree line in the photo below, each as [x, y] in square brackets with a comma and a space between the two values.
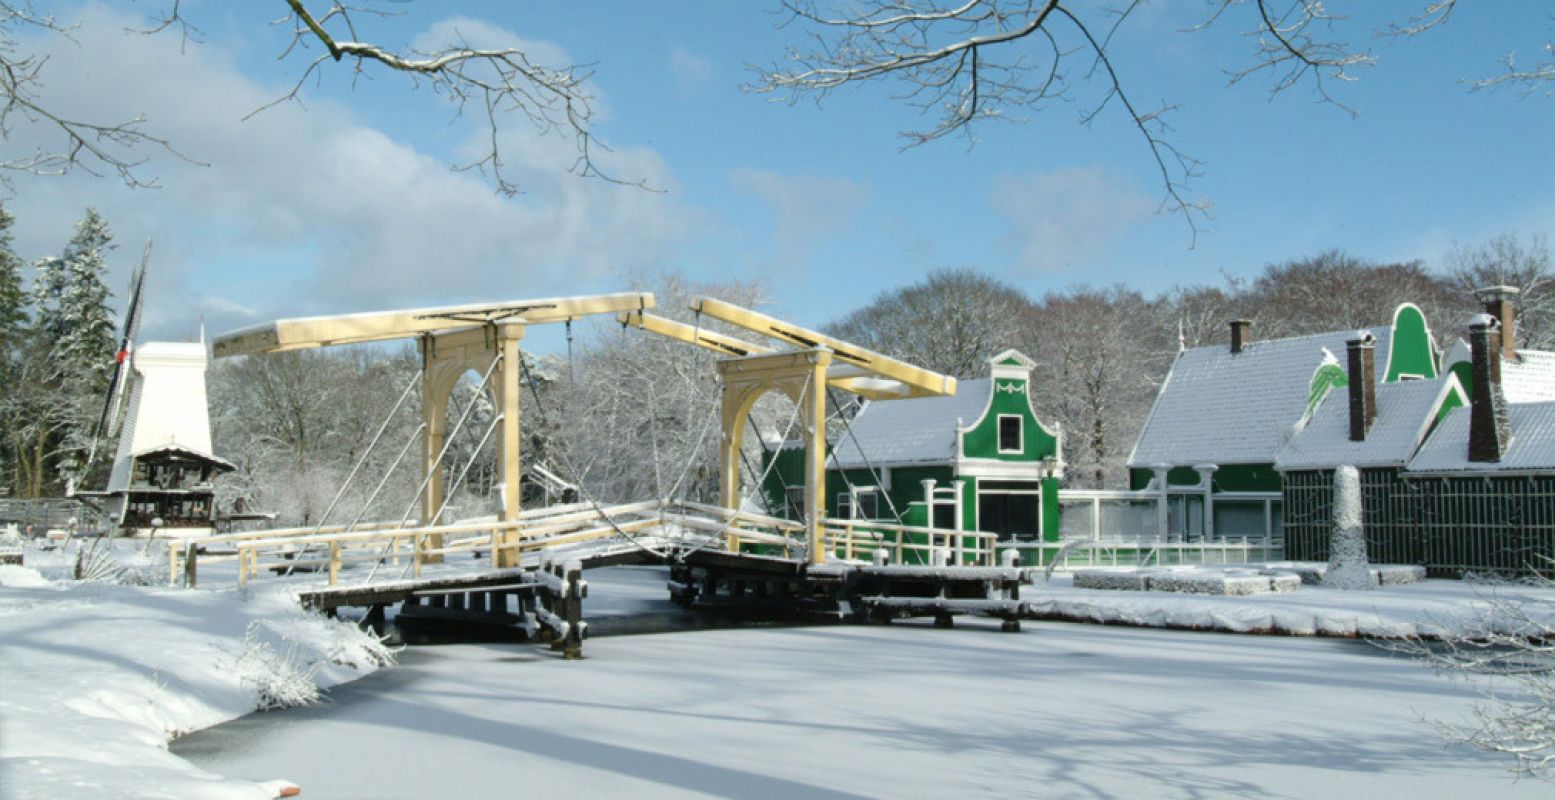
[633, 415]
[1103, 351]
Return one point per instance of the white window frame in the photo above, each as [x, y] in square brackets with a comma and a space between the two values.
[797, 509]
[1020, 444]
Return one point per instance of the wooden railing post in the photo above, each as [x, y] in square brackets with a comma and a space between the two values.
[572, 648]
[191, 555]
[172, 562]
[243, 552]
[334, 563]
[418, 541]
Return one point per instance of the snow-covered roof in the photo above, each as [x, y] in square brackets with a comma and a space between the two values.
[1216, 407]
[1531, 449]
[919, 431]
[1405, 411]
[189, 453]
[1529, 378]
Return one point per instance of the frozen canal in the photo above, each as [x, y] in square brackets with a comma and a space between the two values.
[1061, 710]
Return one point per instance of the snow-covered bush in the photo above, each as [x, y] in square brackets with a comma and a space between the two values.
[1508, 654]
[107, 561]
[279, 678]
[1347, 565]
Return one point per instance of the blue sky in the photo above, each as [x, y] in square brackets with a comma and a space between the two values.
[347, 205]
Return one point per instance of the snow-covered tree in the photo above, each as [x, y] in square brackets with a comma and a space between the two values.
[950, 322]
[13, 341]
[296, 423]
[1337, 291]
[638, 416]
[82, 336]
[1509, 260]
[1100, 356]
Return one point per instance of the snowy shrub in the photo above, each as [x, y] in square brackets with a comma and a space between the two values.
[97, 562]
[106, 561]
[357, 649]
[279, 678]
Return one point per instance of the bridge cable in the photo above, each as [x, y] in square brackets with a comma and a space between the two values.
[359, 462]
[847, 426]
[735, 513]
[565, 462]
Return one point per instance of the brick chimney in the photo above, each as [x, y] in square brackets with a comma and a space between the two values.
[1489, 428]
[1499, 302]
[1363, 385]
[1241, 334]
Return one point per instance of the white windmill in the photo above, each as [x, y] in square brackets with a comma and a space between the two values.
[163, 469]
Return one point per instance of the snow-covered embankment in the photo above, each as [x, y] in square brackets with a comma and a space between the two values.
[96, 678]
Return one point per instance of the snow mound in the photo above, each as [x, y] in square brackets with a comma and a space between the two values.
[1193, 580]
[1430, 608]
[99, 677]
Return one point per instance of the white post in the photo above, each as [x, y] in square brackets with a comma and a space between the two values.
[1095, 519]
[1207, 478]
[1162, 526]
[960, 519]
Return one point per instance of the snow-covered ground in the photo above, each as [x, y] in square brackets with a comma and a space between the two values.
[1060, 710]
[1427, 608]
[95, 678]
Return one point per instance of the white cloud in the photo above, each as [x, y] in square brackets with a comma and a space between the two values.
[311, 210]
[690, 71]
[1061, 218]
[807, 208]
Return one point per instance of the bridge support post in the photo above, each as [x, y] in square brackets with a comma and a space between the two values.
[802, 377]
[445, 358]
[814, 401]
[510, 441]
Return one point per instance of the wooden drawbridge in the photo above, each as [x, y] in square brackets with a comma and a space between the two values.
[525, 565]
[737, 563]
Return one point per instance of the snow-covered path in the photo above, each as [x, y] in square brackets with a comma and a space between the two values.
[1061, 710]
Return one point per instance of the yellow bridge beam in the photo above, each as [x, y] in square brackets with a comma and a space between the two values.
[375, 326]
[918, 381]
[729, 346]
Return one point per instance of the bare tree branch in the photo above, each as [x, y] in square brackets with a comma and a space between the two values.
[98, 148]
[965, 64]
[501, 81]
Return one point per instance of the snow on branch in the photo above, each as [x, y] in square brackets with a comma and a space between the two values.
[966, 64]
[963, 62]
[498, 81]
[98, 148]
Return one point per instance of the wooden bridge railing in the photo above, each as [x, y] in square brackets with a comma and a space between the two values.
[297, 549]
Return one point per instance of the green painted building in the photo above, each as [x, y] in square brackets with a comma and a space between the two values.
[1223, 414]
[980, 460]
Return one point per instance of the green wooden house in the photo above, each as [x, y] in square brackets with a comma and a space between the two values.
[1223, 414]
[980, 460]
[1377, 429]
